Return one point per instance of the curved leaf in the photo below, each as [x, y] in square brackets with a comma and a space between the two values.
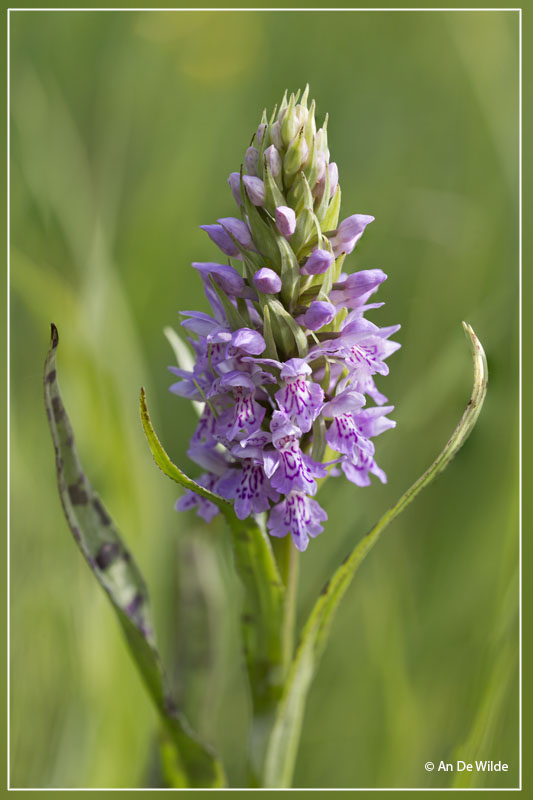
[262, 616]
[283, 744]
[116, 571]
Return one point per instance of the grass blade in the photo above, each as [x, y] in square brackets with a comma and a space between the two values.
[117, 573]
[283, 744]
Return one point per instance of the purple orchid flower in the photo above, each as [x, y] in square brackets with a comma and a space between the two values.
[298, 515]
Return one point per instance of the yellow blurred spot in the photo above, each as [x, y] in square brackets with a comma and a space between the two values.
[211, 47]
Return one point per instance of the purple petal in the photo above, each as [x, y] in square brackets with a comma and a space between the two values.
[318, 314]
[249, 341]
[255, 189]
[267, 281]
[239, 230]
[251, 160]
[285, 220]
[318, 262]
[349, 232]
[298, 515]
[234, 181]
[227, 277]
[218, 235]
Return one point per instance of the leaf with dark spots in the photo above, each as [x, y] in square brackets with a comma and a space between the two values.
[105, 519]
[78, 495]
[107, 553]
[117, 573]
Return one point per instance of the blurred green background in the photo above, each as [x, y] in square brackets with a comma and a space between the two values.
[124, 129]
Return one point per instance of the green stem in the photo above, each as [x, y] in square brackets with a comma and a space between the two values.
[290, 578]
[283, 744]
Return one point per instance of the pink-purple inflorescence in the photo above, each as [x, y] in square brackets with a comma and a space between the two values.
[286, 360]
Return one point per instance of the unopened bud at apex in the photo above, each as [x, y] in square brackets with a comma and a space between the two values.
[296, 155]
[333, 178]
[289, 123]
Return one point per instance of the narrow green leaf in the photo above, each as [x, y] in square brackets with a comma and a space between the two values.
[327, 281]
[234, 315]
[305, 223]
[261, 230]
[284, 318]
[323, 205]
[271, 351]
[290, 273]
[300, 195]
[115, 570]
[331, 217]
[263, 589]
[283, 744]
[273, 195]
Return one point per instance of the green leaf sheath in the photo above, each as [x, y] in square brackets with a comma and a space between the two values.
[284, 739]
[115, 570]
[262, 616]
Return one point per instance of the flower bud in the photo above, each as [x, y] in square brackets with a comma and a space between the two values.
[349, 232]
[273, 159]
[289, 123]
[226, 276]
[239, 230]
[218, 235]
[260, 132]
[267, 281]
[234, 181]
[318, 314]
[251, 160]
[275, 135]
[296, 154]
[318, 262]
[285, 220]
[255, 189]
[320, 166]
[333, 178]
[249, 341]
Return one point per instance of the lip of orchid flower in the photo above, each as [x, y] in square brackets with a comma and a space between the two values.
[298, 515]
[277, 385]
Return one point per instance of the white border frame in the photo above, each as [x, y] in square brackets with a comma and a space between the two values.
[520, 412]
